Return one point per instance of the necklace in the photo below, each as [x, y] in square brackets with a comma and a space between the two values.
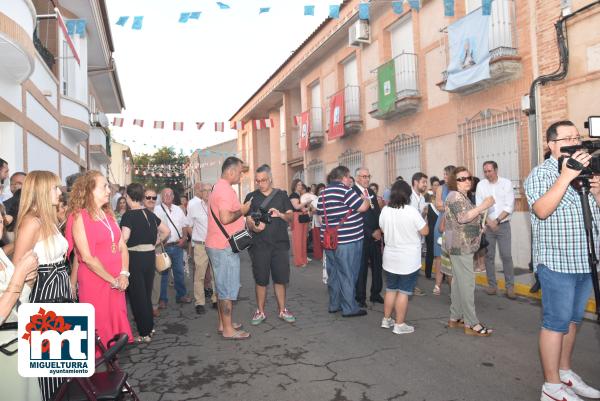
[106, 223]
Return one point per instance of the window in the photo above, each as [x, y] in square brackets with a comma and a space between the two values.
[351, 159]
[403, 157]
[315, 172]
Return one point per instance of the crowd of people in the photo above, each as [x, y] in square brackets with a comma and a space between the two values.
[93, 243]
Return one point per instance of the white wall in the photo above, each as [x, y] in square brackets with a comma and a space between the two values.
[41, 156]
[11, 92]
[11, 145]
[38, 114]
[42, 79]
[67, 167]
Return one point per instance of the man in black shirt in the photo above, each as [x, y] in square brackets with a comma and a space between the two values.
[271, 246]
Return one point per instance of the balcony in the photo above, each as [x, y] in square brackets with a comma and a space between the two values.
[408, 97]
[17, 21]
[352, 119]
[315, 137]
[98, 153]
[505, 62]
[76, 116]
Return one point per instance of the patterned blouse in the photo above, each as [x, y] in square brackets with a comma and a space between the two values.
[461, 237]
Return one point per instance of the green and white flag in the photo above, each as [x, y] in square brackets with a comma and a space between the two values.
[386, 77]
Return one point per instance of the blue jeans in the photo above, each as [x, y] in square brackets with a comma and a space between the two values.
[564, 297]
[343, 266]
[176, 255]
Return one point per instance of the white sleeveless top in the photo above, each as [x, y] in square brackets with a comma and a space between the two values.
[5, 276]
[51, 251]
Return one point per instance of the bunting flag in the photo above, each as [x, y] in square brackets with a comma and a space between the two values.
[363, 11]
[122, 21]
[139, 123]
[334, 11]
[195, 15]
[118, 122]
[76, 27]
[184, 17]
[159, 124]
[237, 125]
[309, 10]
[199, 125]
[415, 4]
[398, 7]
[486, 7]
[336, 115]
[220, 127]
[296, 121]
[448, 8]
[177, 126]
[137, 22]
[263, 10]
[268, 123]
[223, 6]
[304, 131]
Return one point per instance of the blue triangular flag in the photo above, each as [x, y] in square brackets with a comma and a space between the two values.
[195, 15]
[222, 6]
[264, 10]
[397, 7]
[309, 10]
[415, 4]
[363, 11]
[448, 8]
[184, 17]
[122, 21]
[334, 11]
[486, 7]
[137, 22]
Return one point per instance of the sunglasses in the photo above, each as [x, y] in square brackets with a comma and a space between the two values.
[151, 198]
[463, 179]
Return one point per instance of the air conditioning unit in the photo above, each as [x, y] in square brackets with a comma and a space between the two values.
[99, 119]
[359, 33]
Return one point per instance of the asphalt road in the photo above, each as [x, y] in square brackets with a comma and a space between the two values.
[330, 358]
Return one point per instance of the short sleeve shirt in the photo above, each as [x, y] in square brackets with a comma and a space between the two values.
[460, 238]
[223, 197]
[144, 229]
[401, 226]
[198, 218]
[274, 234]
[339, 199]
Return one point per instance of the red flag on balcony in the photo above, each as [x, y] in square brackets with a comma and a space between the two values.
[63, 28]
[304, 131]
[139, 123]
[118, 122]
[159, 124]
[336, 115]
[177, 126]
[199, 125]
[220, 127]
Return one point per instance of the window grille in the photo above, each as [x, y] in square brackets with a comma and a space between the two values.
[315, 172]
[402, 157]
[351, 159]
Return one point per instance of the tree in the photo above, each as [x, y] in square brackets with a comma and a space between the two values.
[167, 167]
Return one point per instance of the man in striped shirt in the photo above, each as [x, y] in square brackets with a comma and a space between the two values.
[339, 203]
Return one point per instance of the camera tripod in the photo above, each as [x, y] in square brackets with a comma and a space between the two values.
[582, 186]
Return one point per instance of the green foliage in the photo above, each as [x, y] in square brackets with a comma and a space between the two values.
[165, 156]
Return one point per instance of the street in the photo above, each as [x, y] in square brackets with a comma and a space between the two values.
[327, 357]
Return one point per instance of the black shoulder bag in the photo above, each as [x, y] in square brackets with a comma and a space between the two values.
[239, 240]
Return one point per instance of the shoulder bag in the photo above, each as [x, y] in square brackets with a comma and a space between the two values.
[163, 261]
[330, 235]
[239, 240]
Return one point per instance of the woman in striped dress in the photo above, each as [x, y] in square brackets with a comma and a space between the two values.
[37, 230]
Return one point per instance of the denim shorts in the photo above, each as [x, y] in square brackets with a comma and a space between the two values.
[226, 268]
[564, 297]
[403, 283]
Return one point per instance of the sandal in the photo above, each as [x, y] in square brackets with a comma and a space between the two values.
[239, 335]
[481, 332]
[236, 326]
[456, 324]
[143, 339]
[437, 290]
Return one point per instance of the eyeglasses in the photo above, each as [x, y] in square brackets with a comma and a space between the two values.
[570, 139]
[463, 179]
[261, 181]
[365, 176]
[151, 198]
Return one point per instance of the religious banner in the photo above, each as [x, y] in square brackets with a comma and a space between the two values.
[336, 115]
[386, 94]
[304, 131]
[469, 50]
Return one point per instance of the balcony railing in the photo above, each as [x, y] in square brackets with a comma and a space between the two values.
[47, 56]
[316, 121]
[407, 86]
[352, 103]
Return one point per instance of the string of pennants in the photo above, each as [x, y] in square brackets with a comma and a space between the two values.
[179, 125]
[309, 10]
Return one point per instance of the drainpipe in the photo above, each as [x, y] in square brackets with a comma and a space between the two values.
[558, 75]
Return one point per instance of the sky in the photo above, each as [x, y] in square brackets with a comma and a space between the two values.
[203, 70]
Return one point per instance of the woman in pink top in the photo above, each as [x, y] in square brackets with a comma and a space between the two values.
[103, 269]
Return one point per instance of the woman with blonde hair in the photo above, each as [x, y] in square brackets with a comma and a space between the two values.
[37, 231]
[102, 272]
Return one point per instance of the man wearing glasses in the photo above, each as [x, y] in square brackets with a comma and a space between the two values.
[270, 253]
[371, 247]
[561, 261]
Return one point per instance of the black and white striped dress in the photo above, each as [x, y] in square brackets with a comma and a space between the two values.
[52, 285]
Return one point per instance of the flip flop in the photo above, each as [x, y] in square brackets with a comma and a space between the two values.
[238, 335]
[236, 326]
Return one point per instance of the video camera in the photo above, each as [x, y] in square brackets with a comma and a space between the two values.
[591, 146]
[261, 216]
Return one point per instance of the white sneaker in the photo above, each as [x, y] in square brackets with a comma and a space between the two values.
[564, 394]
[387, 323]
[572, 381]
[403, 329]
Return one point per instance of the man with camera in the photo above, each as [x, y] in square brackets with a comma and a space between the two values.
[561, 260]
[270, 213]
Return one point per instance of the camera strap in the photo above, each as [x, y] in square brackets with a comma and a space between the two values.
[269, 198]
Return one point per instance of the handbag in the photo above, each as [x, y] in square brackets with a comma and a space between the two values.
[163, 261]
[330, 234]
[239, 240]
[304, 218]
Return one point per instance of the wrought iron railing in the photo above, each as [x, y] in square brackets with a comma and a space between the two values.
[406, 76]
[352, 103]
[352, 159]
[402, 157]
[316, 120]
[46, 55]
